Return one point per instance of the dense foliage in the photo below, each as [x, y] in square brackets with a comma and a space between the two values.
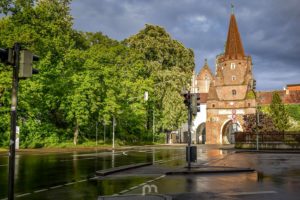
[88, 78]
[265, 123]
[278, 113]
[275, 117]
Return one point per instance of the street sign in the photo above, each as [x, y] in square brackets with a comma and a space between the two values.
[233, 117]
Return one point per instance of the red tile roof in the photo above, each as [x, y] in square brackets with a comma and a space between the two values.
[290, 97]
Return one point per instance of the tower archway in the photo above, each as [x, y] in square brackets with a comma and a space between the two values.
[201, 134]
[227, 131]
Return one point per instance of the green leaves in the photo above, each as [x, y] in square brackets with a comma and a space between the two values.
[278, 113]
[86, 78]
[169, 66]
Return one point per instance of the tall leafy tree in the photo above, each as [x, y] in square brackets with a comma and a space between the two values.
[44, 27]
[278, 113]
[169, 64]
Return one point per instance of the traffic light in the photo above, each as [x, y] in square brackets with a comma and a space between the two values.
[195, 103]
[7, 56]
[253, 84]
[187, 99]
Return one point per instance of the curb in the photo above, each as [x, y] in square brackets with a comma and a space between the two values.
[210, 171]
[268, 151]
[120, 169]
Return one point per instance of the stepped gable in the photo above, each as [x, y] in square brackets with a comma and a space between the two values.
[205, 68]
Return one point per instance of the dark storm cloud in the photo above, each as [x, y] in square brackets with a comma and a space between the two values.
[270, 29]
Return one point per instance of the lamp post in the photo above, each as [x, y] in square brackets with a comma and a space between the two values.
[153, 124]
[114, 120]
[256, 113]
[96, 133]
[113, 139]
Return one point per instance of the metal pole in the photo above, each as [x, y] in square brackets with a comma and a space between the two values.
[96, 133]
[153, 125]
[104, 128]
[256, 129]
[189, 131]
[12, 143]
[113, 139]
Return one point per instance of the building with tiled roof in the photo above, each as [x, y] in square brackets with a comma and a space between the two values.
[228, 95]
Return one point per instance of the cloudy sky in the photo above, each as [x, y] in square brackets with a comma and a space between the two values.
[270, 29]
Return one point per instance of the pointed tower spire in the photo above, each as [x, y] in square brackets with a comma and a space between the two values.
[232, 9]
[234, 47]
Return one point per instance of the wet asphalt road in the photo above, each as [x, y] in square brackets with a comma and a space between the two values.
[70, 175]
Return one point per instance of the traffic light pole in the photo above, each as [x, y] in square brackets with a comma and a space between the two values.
[189, 132]
[12, 142]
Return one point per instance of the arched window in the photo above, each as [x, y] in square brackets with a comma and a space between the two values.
[233, 78]
[233, 92]
[232, 66]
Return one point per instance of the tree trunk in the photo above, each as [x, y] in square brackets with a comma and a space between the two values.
[76, 132]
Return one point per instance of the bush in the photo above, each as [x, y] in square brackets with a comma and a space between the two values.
[4, 130]
[293, 111]
[34, 134]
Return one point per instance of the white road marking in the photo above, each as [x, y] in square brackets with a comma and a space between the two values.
[58, 186]
[124, 191]
[91, 158]
[71, 183]
[78, 159]
[249, 193]
[42, 190]
[23, 195]
[164, 161]
[142, 184]
[81, 181]
[132, 188]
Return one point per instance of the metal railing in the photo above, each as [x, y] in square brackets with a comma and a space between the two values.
[268, 137]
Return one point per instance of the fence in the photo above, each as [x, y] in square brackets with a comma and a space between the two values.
[268, 137]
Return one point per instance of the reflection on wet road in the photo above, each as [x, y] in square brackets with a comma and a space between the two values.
[71, 175]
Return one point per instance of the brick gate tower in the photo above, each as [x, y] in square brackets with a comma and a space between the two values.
[230, 94]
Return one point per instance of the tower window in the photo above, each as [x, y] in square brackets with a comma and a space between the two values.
[213, 105]
[232, 66]
[233, 92]
[233, 78]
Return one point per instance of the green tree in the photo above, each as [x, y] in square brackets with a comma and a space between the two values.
[169, 65]
[278, 113]
[44, 27]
